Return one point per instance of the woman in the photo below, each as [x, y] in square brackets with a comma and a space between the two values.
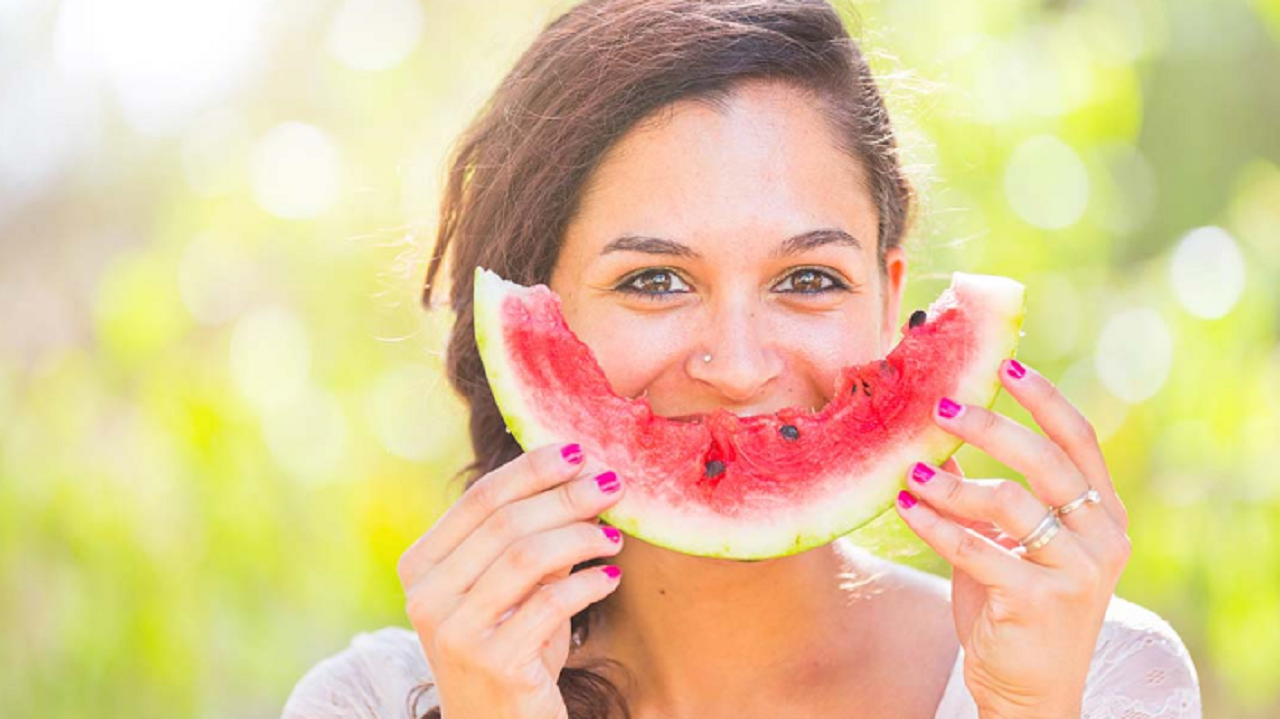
[714, 191]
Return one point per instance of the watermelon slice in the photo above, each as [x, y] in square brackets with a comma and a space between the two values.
[760, 486]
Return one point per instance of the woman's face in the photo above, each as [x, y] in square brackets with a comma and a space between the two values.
[743, 234]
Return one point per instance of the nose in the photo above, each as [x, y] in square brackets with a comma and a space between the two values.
[743, 356]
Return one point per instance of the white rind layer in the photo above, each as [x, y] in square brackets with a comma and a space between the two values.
[507, 391]
[786, 529]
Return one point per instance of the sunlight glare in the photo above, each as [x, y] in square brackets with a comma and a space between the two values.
[297, 171]
[1134, 354]
[375, 34]
[1046, 183]
[1207, 272]
[165, 59]
[270, 356]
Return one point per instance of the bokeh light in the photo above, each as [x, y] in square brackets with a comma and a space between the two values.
[1134, 354]
[270, 357]
[297, 171]
[165, 59]
[375, 34]
[1126, 204]
[308, 435]
[217, 278]
[1207, 271]
[399, 409]
[1081, 384]
[1046, 183]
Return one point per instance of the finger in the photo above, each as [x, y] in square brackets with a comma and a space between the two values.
[526, 475]
[514, 577]
[1053, 477]
[983, 527]
[575, 501]
[1006, 503]
[538, 618]
[1063, 422]
[984, 560]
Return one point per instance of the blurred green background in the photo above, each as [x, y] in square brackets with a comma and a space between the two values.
[222, 411]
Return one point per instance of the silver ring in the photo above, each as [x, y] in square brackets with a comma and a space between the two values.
[1040, 536]
[1090, 497]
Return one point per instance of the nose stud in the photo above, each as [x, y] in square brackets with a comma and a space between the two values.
[706, 358]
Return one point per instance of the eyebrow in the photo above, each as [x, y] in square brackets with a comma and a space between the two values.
[788, 247]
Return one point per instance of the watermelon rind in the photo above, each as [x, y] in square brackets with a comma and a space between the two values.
[859, 499]
[508, 393]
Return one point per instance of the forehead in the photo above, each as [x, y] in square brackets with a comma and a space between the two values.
[764, 163]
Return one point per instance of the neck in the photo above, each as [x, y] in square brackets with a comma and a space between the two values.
[701, 636]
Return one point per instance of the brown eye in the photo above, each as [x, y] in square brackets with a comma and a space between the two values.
[810, 282]
[654, 284]
[807, 281]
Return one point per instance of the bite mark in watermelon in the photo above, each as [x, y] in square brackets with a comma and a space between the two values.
[760, 486]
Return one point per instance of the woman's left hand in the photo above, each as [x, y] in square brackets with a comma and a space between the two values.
[1028, 621]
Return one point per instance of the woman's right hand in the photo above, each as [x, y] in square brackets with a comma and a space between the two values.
[489, 588]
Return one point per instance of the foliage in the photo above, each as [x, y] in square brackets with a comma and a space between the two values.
[223, 413]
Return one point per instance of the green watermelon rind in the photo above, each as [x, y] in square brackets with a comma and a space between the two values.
[980, 386]
[507, 393]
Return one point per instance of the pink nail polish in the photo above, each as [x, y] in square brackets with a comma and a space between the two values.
[921, 473]
[613, 534]
[611, 571]
[1016, 370]
[572, 453]
[949, 409]
[608, 482]
[906, 500]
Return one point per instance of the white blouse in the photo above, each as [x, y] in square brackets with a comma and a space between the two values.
[1140, 670]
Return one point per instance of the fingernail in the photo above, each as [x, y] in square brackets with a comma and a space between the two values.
[608, 482]
[905, 500]
[948, 409]
[614, 535]
[572, 453]
[921, 473]
[611, 571]
[1016, 370]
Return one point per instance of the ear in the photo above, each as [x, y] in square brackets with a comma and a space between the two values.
[894, 282]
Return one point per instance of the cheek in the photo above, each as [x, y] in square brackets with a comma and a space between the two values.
[636, 350]
[825, 344]
[649, 352]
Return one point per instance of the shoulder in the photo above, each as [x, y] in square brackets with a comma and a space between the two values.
[1141, 667]
[370, 679]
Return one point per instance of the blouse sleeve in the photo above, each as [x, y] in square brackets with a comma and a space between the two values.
[1140, 669]
[370, 679]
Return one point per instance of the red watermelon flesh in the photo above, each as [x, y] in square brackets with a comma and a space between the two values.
[760, 486]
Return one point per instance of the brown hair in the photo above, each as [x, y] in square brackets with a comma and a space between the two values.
[518, 171]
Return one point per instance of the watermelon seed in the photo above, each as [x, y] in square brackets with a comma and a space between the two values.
[790, 432]
[866, 388]
[714, 468]
[917, 318]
